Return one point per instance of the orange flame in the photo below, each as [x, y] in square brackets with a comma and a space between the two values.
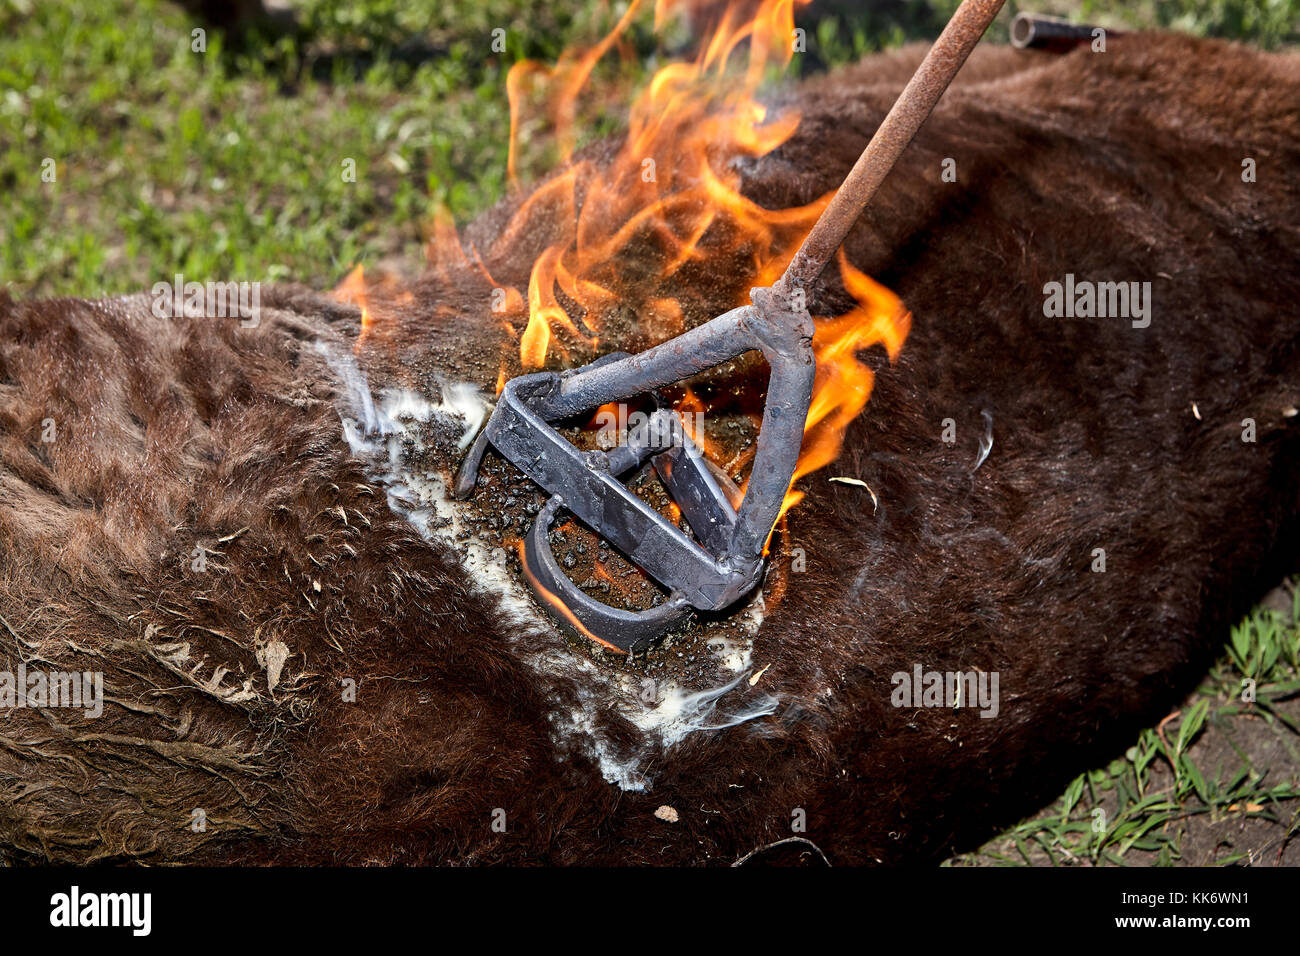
[556, 602]
[672, 183]
[375, 299]
[443, 249]
[352, 291]
[843, 382]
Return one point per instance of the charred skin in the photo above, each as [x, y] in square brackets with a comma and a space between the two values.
[1123, 166]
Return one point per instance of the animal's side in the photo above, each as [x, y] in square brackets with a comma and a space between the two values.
[232, 732]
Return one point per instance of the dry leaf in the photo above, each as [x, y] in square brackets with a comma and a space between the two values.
[875, 503]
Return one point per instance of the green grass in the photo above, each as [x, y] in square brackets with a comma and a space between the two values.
[225, 163]
[228, 163]
[1136, 809]
[1265, 23]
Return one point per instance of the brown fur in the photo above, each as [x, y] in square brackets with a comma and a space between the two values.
[1117, 166]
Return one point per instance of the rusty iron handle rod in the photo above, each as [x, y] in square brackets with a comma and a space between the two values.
[909, 111]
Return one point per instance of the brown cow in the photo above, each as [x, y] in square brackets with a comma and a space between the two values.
[309, 654]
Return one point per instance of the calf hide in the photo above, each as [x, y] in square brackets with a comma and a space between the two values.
[246, 531]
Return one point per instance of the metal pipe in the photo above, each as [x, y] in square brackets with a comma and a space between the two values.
[1032, 30]
[789, 394]
[703, 347]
